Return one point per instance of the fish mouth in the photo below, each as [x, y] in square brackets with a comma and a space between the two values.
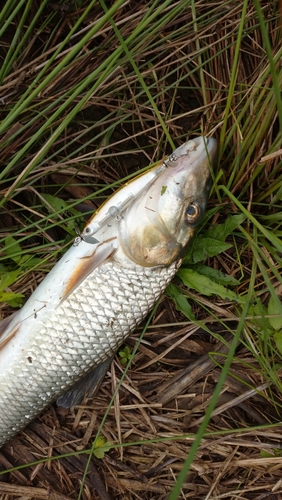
[188, 169]
[202, 150]
[202, 145]
[192, 164]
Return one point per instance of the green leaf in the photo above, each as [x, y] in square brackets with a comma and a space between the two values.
[27, 262]
[212, 241]
[181, 303]
[9, 278]
[101, 447]
[14, 252]
[56, 203]
[265, 454]
[206, 286]
[218, 276]
[13, 299]
[3, 269]
[278, 340]
[207, 247]
[221, 231]
[100, 441]
[13, 249]
[99, 453]
[258, 312]
[59, 205]
[125, 354]
[273, 308]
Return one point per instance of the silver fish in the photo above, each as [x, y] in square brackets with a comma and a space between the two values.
[104, 285]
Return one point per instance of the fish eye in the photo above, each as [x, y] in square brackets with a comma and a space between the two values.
[192, 213]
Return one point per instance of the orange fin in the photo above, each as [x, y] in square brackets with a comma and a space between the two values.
[88, 264]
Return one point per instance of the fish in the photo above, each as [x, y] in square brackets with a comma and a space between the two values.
[104, 285]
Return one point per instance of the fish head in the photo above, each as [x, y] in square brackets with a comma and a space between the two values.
[156, 229]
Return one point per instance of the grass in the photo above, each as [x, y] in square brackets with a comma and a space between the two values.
[89, 97]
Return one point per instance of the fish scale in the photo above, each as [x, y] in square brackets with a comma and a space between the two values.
[74, 338]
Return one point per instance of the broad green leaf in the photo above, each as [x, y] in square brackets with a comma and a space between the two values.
[257, 310]
[181, 303]
[259, 322]
[125, 355]
[28, 261]
[278, 340]
[13, 249]
[211, 242]
[99, 453]
[61, 206]
[207, 247]
[13, 299]
[273, 308]
[218, 276]
[265, 454]
[9, 278]
[206, 286]
[221, 231]
[56, 203]
[101, 447]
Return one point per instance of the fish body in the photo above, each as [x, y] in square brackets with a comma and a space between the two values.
[104, 285]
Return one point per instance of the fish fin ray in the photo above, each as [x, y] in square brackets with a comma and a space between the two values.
[88, 264]
[87, 386]
[5, 323]
[5, 334]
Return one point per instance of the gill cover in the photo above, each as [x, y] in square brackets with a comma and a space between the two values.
[156, 228]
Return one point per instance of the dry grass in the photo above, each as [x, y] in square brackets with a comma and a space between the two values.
[72, 128]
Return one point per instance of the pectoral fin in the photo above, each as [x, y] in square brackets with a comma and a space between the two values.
[4, 337]
[86, 265]
[87, 386]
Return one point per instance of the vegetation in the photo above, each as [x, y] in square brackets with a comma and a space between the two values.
[90, 94]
